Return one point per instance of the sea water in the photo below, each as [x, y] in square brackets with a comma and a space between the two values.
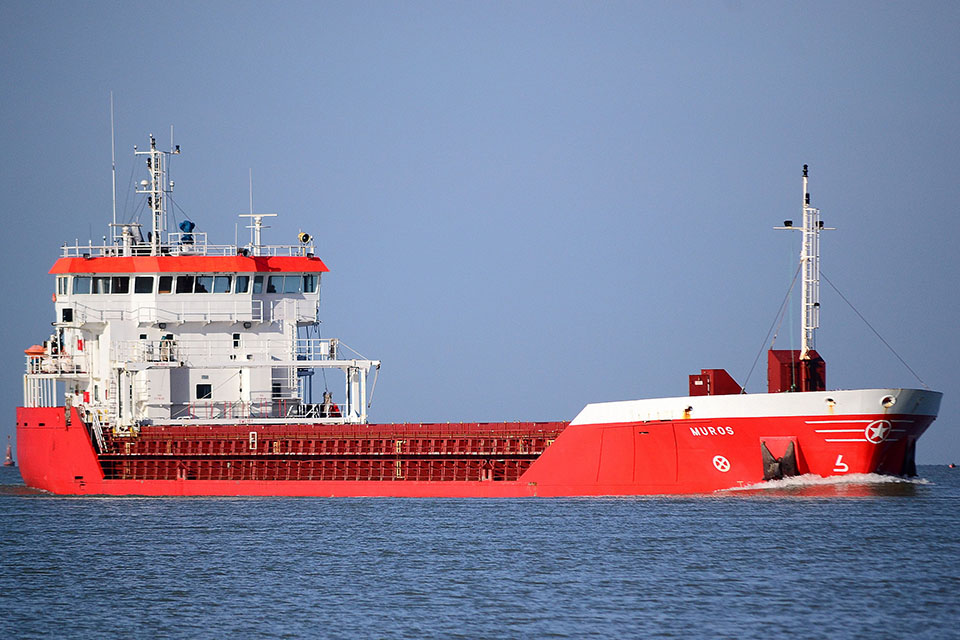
[865, 557]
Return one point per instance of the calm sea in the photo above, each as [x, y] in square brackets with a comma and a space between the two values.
[869, 559]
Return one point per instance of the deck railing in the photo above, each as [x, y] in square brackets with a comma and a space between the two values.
[177, 245]
[292, 409]
[57, 364]
[245, 349]
[210, 311]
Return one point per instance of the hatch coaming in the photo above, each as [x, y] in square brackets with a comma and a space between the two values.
[444, 452]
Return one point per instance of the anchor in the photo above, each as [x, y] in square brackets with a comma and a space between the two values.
[776, 468]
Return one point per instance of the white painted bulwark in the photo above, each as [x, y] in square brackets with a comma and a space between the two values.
[813, 403]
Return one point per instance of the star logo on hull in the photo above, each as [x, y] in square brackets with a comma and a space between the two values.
[877, 431]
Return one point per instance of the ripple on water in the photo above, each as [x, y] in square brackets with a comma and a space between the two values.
[855, 559]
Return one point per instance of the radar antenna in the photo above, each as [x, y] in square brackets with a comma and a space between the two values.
[256, 228]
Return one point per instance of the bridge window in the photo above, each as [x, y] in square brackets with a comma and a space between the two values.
[63, 285]
[185, 284]
[243, 284]
[81, 284]
[143, 284]
[120, 284]
[284, 284]
[258, 284]
[204, 284]
[275, 284]
[310, 283]
[165, 284]
[101, 284]
[221, 284]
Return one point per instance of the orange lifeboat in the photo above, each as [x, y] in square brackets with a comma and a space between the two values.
[35, 350]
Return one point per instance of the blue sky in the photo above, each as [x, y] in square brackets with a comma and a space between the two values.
[525, 206]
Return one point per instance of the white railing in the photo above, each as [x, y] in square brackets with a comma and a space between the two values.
[211, 410]
[195, 351]
[193, 243]
[39, 392]
[57, 364]
[193, 311]
[278, 409]
[210, 311]
[146, 351]
[83, 313]
[175, 246]
[315, 348]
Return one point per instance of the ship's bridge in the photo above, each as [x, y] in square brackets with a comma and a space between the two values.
[180, 289]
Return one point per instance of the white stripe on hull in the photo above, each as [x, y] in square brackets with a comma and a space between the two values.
[768, 405]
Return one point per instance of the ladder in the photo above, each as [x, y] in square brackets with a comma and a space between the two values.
[97, 429]
[113, 399]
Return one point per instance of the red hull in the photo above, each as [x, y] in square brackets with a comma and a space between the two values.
[633, 458]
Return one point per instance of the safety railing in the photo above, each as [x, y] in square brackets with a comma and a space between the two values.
[315, 348]
[220, 410]
[39, 392]
[178, 244]
[211, 311]
[277, 408]
[57, 364]
[162, 350]
[246, 349]
[192, 311]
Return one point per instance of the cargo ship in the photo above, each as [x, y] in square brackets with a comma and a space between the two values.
[181, 367]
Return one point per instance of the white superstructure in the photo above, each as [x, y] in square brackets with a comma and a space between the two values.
[169, 328]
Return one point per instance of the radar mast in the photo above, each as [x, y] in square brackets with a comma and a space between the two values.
[157, 189]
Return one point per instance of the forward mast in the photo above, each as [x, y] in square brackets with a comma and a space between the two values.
[810, 270]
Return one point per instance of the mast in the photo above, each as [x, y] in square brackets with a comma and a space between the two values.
[810, 261]
[810, 265]
[156, 190]
[256, 228]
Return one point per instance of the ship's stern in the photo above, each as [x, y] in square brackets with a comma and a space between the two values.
[56, 454]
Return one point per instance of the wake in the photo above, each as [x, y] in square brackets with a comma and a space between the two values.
[811, 480]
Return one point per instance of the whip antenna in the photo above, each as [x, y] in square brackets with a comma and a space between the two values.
[113, 171]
